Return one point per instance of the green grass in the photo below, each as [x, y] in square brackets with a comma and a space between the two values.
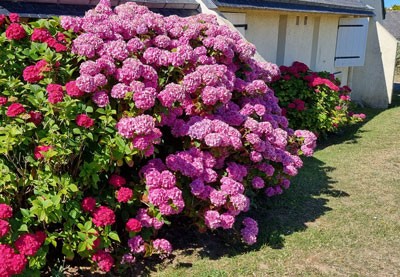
[340, 218]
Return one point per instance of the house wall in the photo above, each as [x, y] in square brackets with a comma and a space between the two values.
[285, 37]
[373, 83]
[299, 39]
[265, 39]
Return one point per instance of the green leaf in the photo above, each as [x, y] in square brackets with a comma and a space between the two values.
[88, 225]
[114, 236]
[82, 246]
[73, 188]
[89, 109]
[90, 136]
[66, 250]
[23, 228]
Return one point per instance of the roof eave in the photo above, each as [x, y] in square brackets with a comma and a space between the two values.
[301, 7]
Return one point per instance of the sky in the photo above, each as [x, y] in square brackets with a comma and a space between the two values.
[389, 3]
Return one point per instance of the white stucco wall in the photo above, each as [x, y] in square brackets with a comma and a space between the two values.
[373, 83]
[262, 31]
[299, 39]
[327, 44]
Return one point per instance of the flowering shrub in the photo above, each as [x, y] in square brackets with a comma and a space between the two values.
[124, 120]
[314, 100]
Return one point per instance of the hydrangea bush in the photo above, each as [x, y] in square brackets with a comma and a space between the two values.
[314, 101]
[115, 123]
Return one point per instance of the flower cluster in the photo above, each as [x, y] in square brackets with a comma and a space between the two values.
[5, 213]
[34, 73]
[11, 263]
[104, 260]
[14, 258]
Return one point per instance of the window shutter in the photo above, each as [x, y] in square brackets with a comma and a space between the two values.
[351, 42]
[238, 20]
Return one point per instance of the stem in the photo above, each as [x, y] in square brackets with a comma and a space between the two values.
[16, 167]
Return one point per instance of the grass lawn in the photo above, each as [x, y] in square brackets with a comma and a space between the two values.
[340, 218]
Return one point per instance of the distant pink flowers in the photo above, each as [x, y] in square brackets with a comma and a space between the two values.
[83, 120]
[6, 211]
[39, 150]
[88, 204]
[34, 73]
[15, 109]
[104, 260]
[124, 195]
[133, 225]
[29, 244]
[15, 32]
[55, 93]
[103, 216]
[117, 181]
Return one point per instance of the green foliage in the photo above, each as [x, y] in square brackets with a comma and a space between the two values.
[49, 190]
[395, 7]
[314, 100]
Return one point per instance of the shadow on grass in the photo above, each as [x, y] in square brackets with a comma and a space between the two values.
[351, 134]
[277, 217]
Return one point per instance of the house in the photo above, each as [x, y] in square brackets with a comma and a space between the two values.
[343, 36]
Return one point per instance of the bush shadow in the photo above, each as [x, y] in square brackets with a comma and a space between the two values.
[277, 217]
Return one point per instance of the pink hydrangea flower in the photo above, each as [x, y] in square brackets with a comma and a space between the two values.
[162, 246]
[4, 228]
[29, 244]
[40, 34]
[103, 216]
[117, 181]
[5, 211]
[73, 90]
[101, 98]
[55, 93]
[133, 225]
[3, 100]
[136, 244]
[39, 150]
[15, 32]
[104, 260]
[212, 219]
[88, 204]
[83, 120]
[10, 262]
[250, 231]
[35, 117]
[124, 195]
[15, 109]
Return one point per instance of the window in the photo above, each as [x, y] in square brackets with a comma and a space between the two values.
[351, 42]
